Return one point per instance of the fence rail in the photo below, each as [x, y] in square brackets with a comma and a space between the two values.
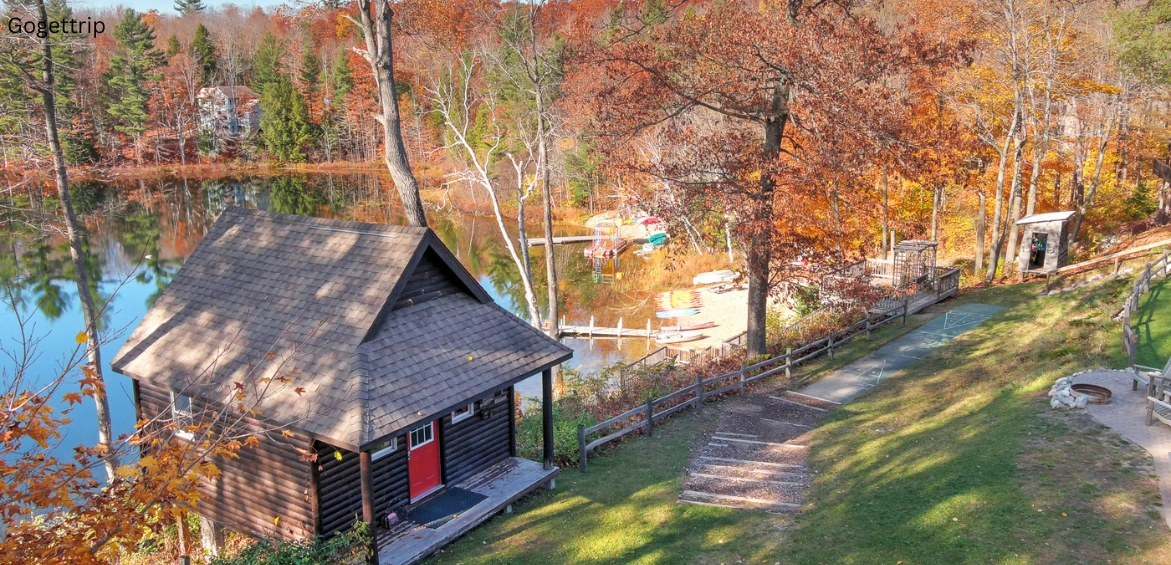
[692, 396]
[1142, 285]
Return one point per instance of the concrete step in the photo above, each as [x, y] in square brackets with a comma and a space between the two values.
[738, 502]
[769, 491]
[748, 470]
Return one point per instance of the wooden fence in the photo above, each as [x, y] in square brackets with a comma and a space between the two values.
[692, 396]
[1142, 285]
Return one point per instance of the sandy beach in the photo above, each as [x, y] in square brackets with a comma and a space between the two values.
[728, 310]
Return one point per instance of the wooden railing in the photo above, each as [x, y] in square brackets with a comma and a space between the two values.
[947, 282]
[880, 268]
[1142, 285]
[692, 396]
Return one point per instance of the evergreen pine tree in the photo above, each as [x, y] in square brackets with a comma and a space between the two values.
[185, 7]
[266, 61]
[173, 47]
[341, 78]
[130, 71]
[203, 51]
[284, 120]
[310, 70]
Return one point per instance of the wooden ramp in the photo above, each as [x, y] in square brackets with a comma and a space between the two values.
[557, 240]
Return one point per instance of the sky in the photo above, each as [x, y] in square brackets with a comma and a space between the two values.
[165, 5]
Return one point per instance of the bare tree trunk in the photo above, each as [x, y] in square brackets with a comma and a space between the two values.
[994, 253]
[375, 25]
[1015, 205]
[1088, 198]
[547, 203]
[936, 197]
[981, 228]
[80, 277]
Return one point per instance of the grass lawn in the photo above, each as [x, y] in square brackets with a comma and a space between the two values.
[1152, 322]
[957, 460]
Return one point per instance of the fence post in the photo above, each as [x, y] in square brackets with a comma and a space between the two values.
[581, 448]
[741, 377]
[699, 393]
[650, 417]
[831, 343]
[906, 306]
[789, 363]
[867, 327]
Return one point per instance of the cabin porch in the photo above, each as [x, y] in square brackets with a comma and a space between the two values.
[502, 484]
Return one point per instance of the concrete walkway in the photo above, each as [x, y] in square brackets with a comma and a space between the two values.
[757, 457]
[1126, 414]
[843, 385]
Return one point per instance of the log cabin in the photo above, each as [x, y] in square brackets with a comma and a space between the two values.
[379, 373]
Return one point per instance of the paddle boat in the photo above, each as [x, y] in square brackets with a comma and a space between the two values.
[715, 277]
[678, 337]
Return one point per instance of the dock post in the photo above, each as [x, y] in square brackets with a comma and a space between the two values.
[619, 328]
[789, 363]
[699, 393]
[582, 463]
[648, 328]
[591, 326]
[650, 417]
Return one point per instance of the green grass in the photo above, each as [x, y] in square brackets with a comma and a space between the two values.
[1152, 322]
[957, 460]
[623, 511]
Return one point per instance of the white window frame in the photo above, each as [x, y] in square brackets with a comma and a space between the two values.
[411, 442]
[384, 451]
[182, 417]
[467, 413]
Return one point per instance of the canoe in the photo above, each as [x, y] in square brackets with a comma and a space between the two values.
[677, 313]
[657, 239]
[678, 337]
[715, 277]
[647, 220]
[688, 328]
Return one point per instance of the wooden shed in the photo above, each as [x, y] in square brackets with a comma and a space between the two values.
[1044, 242]
[403, 368]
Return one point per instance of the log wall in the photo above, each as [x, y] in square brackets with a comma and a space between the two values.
[476, 443]
[266, 492]
[340, 485]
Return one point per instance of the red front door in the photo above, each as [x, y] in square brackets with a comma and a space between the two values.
[423, 462]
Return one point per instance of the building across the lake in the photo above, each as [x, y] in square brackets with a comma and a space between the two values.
[229, 110]
[380, 372]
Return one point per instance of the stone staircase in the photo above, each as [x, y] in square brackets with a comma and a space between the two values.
[757, 458]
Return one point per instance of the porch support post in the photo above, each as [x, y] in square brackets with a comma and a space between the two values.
[368, 507]
[547, 416]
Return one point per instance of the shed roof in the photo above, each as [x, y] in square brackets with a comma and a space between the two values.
[268, 297]
[1046, 217]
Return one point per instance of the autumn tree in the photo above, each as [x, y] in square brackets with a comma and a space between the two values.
[784, 79]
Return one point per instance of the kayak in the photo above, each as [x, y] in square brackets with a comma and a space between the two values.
[715, 277]
[647, 220]
[677, 313]
[657, 238]
[678, 337]
[676, 299]
[688, 328]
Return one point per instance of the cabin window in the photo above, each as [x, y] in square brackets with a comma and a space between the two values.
[383, 449]
[181, 415]
[463, 413]
[420, 436]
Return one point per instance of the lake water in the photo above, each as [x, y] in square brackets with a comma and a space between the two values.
[139, 232]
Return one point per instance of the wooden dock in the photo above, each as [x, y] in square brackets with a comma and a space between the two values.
[539, 241]
[592, 331]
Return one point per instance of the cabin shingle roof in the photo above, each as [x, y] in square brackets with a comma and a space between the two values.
[268, 297]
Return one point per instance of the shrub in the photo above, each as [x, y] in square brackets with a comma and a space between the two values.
[338, 550]
[566, 417]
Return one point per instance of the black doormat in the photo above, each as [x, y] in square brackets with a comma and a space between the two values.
[441, 509]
